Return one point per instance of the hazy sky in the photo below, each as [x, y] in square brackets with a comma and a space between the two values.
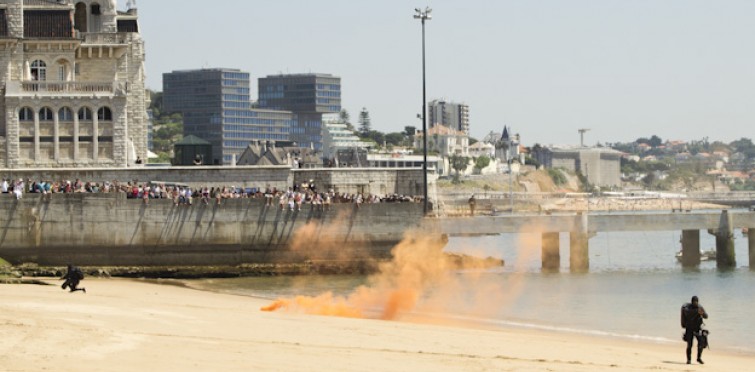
[680, 69]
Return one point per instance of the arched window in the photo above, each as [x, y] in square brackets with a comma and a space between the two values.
[80, 17]
[65, 114]
[39, 70]
[26, 114]
[45, 114]
[85, 114]
[104, 114]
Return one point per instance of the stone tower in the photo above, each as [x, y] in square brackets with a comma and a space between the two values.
[72, 84]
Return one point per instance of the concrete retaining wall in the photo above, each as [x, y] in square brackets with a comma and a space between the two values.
[110, 230]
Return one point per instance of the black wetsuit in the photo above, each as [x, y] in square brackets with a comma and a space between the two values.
[73, 276]
[692, 320]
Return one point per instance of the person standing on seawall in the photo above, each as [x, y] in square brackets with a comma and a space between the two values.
[692, 320]
[472, 203]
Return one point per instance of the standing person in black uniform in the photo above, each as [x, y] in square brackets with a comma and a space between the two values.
[73, 276]
[692, 319]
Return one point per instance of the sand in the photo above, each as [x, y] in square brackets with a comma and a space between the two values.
[126, 325]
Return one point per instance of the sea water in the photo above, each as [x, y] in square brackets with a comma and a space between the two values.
[634, 288]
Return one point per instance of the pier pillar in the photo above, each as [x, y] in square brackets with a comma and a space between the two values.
[579, 259]
[751, 245]
[551, 255]
[725, 257]
[690, 248]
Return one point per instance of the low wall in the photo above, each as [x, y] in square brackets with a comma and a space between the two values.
[211, 176]
[376, 181]
[379, 181]
[110, 230]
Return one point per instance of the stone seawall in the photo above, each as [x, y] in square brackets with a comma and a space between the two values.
[379, 181]
[110, 230]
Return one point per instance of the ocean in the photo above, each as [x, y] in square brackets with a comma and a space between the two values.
[634, 289]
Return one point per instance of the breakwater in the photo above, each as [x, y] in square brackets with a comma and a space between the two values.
[111, 230]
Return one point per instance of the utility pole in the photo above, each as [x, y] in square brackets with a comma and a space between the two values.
[582, 136]
[424, 16]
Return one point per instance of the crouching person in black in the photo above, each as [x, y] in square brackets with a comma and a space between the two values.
[692, 320]
[73, 276]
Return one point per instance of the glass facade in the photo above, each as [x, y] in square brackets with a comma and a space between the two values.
[308, 96]
[216, 106]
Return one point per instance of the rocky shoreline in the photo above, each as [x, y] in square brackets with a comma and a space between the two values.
[29, 271]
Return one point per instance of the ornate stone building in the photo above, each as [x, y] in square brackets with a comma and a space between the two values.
[72, 85]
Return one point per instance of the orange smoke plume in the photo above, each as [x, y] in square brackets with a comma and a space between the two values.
[418, 264]
[325, 304]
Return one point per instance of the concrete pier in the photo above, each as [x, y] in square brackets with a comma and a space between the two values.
[725, 256]
[551, 255]
[690, 248]
[579, 258]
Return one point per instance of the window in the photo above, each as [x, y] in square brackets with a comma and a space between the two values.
[85, 114]
[39, 70]
[96, 9]
[45, 114]
[104, 114]
[65, 114]
[26, 114]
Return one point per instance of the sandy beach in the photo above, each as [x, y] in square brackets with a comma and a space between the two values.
[126, 325]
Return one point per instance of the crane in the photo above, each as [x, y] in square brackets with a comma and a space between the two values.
[582, 136]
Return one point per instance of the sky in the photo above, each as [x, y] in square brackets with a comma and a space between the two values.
[625, 69]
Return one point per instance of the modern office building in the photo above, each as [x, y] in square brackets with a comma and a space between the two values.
[216, 106]
[308, 96]
[72, 85]
[448, 114]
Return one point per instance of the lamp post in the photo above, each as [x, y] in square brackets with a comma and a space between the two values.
[423, 16]
[511, 188]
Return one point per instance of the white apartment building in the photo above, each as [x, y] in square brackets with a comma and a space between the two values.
[444, 140]
[336, 136]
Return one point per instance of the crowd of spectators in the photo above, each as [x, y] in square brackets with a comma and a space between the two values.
[293, 198]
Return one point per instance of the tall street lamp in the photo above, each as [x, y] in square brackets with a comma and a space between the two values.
[423, 16]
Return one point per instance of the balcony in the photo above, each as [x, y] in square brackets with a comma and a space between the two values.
[66, 88]
[103, 38]
[102, 44]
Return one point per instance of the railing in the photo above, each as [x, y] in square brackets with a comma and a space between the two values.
[103, 38]
[69, 87]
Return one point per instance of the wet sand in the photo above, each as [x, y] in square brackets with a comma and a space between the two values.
[125, 325]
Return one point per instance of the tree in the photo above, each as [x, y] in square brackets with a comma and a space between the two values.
[557, 176]
[409, 131]
[744, 146]
[364, 122]
[459, 164]
[395, 138]
[649, 180]
[482, 162]
[346, 118]
[655, 141]
[376, 136]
